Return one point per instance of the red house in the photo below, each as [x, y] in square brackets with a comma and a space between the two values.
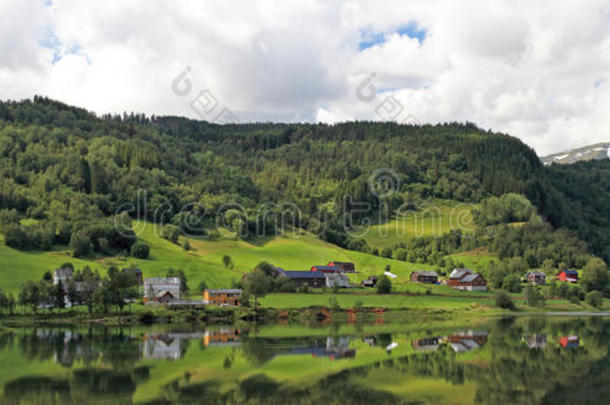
[325, 269]
[569, 342]
[569, 276]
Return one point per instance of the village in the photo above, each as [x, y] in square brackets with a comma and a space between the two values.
[168, 291]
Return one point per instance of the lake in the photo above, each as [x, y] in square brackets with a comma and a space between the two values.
[523, 360]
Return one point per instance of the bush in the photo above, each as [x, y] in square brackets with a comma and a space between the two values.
[386, 252]
[140, 250]
[171, 233]
[80, 244]
[503, 300]
[595, 299]
[384, 285]
[574, 299]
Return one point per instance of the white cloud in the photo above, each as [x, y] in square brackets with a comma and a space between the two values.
[534, 71]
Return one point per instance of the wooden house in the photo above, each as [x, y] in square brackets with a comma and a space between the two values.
[224, 297]
[346, 267]
[315, 279]
[536, 277]
[568, 276]
[427, 277]
[467, 280]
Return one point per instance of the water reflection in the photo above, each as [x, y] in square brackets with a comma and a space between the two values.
[518, 361]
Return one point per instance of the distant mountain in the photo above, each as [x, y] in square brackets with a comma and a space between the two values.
[598, 151]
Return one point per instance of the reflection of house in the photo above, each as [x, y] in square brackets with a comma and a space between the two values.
[536, 277]
[335, 348]
[570, 276]
[569, 342]
[63, 275]
[309, 278]
[467, 280]
[425, 344]
[223, 336]
[428, 277]
[325, 269]
[466, 341]
[162, 346]
[535, 341]
[223, 297]
[162, 289]
[345, 267]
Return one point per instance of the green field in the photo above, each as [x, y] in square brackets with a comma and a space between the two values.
[204, 261]
[435, 218]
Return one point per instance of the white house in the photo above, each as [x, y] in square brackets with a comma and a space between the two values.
[63, 274]
[162, 288]
[337, 279]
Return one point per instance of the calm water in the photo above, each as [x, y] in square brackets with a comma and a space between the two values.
[511, 361]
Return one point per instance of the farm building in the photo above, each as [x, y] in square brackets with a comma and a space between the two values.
[467, 280]
[230, 297]
[325, 269]
[371, 281]
[315, 279]
[428, 277]
[337, 280]
[536, 277]
[569, 276]
[346, 267]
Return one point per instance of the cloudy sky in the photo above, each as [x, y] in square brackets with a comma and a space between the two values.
[537, 72]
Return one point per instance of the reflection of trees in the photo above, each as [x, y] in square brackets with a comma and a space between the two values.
[86, 386]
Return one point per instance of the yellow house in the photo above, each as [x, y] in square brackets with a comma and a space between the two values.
[226, 297]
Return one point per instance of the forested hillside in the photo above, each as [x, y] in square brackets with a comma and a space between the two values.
[65, 174]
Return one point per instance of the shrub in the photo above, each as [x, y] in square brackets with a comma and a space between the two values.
[384, 285]
[80, 244]
[503, 300]
[595, 299]
[140, 250]
[386, 252]
[574, 299]
[171, 233]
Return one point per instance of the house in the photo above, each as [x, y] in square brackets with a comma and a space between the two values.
[569, 276]
[63, 275]
[536, 277]
[224, 297]
[466, 280]
[137, 273]
[325, 269]
[535, 341]
[467, 340]
[162, 289]
[370, 282]
[426, 344]
[346, 267]
[224, 336]
[337, 280]
[315, 279]
[427, 277]
[569, 342]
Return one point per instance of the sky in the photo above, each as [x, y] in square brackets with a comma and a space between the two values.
[528, 69]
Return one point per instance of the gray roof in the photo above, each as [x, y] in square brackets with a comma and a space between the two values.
[470, 277]
[304, 274]
[458, 273]
[225, 291]
[426, 273]
[162, 280]
[536, 273]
